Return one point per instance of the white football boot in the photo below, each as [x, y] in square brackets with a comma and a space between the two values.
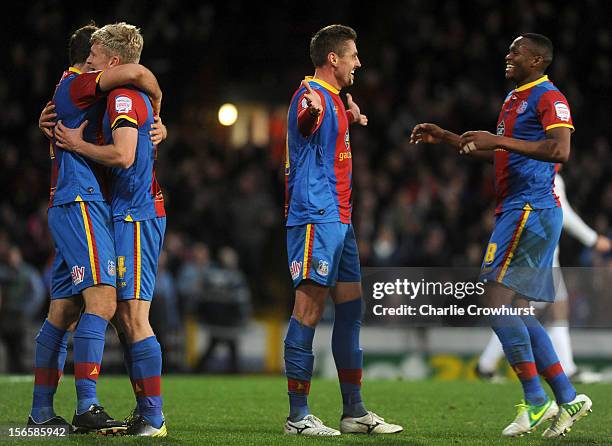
[370, 423]
[568, 414]
[529, 417]
[309, 425]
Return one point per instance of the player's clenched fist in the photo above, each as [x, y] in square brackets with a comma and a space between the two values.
[313, 100]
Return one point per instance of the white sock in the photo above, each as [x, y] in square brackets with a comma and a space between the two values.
[559, 335]
[491, 355]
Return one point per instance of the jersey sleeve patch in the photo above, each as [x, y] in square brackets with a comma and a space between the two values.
[562, 111]
[554, 111]
[123, 104]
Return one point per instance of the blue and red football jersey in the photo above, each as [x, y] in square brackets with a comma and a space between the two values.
[135, 193]
[528, 113]
[318, 167]
[74, 177]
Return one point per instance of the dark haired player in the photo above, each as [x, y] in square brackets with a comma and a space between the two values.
[533, 133]
[321, 245]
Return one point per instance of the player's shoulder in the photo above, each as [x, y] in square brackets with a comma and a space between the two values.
[124, 91]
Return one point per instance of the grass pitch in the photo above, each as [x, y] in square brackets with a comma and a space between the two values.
[251, 410]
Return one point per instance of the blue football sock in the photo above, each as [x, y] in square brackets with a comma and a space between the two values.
[88, 352]
[514, 337]
[547, 361]
[349, 356]
[127, 359]
[49, 359]
[299, 362]
[146, 368]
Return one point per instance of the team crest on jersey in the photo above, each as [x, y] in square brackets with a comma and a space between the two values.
[304, 103]
[562, 111]
[501, 128]
[295, 268]
[111, 268]
[78, 274]
[522, 107]
[323, 268]
[123, 104]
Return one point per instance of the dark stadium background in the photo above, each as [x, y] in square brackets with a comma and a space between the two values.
[438, 61]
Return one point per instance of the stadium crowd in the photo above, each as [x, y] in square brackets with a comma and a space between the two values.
[439, 61]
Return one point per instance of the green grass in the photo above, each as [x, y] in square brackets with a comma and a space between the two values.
[250, 410]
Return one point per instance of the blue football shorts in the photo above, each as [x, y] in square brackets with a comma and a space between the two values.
[138, 245]
[520, 252]
[323, 252]
[84, 247]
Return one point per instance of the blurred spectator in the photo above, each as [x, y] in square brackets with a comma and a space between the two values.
[225, 308]
[22, 295]
[164, 316]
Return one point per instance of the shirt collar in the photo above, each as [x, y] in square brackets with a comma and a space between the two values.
[74, 70]
[323, 84]
[531, 84]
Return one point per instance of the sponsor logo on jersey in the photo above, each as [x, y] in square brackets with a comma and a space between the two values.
[323, 268]
[562, 111]
[347, 139]
[522, 107]
[111, 268]
[78, 274]
[123, 104]
[295, 268]
[501, 128]
[345, 156]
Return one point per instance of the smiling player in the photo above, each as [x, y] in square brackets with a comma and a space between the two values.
[533, 133]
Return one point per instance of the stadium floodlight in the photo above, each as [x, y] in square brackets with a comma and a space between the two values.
[228, 114]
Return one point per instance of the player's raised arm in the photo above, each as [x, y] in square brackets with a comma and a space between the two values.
[135, 74]
[354, 113]
[312, 107]
[119, 154]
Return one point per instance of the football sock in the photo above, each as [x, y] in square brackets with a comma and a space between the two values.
[559, 335]
[299, 362]
[146, 367]
[514, 337]
[49, 359]
[88, 351]
[491, 355]
[127, 359]
[349, 356]
[547, 361]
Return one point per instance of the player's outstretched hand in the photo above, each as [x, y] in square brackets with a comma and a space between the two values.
[426, 133]
[158, 131]
[313, 100]
[46, 121]
[353, 108]
[67, 138]
[603, 244]
[478, 140]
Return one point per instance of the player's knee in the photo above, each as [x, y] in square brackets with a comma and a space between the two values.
[308, 315]
[63, 315]
[105, 308]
